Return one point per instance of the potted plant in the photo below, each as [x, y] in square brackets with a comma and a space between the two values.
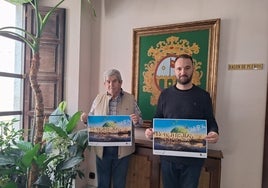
[16, 156]
[65, 147]
[57, 159]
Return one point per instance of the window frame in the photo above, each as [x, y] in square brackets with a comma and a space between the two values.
[18, 52]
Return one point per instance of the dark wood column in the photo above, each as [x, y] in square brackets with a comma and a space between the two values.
[265, 149]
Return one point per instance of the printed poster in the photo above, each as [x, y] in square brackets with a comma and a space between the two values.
[180, 137]
[110, 130]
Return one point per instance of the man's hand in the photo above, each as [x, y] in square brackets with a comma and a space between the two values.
[212, 137]
[149, 133]
[83, 117]
[135, 118]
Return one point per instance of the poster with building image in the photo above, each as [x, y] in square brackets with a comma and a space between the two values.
[110, 130]
[180, 137]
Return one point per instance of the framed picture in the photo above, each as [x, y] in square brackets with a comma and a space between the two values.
[154, 51]
[180, 137]
[110, 130]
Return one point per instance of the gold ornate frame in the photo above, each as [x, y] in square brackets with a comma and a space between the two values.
[154, 49]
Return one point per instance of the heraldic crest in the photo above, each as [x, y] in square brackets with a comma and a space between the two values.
[159, 72]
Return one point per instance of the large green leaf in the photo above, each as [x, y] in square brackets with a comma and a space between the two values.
[50, 127]
[48, 160]
[5, 160]
[43, 181]
[58, 116]
[24, 145]
[80, 137]
[73, 122]
[62, 106]
[73, 151]
[69, 163]
[40, 159]
[29, 156]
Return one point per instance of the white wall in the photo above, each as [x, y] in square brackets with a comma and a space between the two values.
[241, 95]
[94, 45]
[72, 50]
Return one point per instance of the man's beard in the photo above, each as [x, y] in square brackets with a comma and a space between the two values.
[186, 80]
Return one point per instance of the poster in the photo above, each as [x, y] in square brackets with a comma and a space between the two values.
[110, 130]
[180, 137]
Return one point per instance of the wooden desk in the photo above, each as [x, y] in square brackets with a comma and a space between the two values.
[144, 169]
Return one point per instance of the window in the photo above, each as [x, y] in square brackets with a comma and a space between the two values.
[16, 96]
[11, 65]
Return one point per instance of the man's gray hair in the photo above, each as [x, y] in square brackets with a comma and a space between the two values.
[112, 72]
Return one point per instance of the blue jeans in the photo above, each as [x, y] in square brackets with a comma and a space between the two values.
[180, 175]
[111, 169]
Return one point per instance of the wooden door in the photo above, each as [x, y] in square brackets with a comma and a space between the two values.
[51, 72]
